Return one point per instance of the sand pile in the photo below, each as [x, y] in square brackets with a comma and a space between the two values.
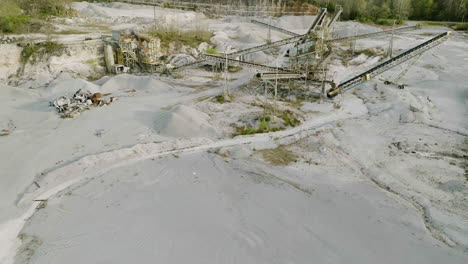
[184, 122]
[126, 82]
[63, 87]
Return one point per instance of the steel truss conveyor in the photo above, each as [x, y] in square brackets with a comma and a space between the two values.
[388, 64]
[375, 34]
[287, 32]
[235, 62]
[295, 39]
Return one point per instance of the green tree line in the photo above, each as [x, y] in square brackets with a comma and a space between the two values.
[427, 10]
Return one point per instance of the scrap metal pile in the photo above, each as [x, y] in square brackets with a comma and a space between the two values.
[82, 100]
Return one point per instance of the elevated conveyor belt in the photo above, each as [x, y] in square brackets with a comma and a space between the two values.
[274, 76]
[247, 51]
[317, 22]
[375, 34]
[287, 32]
[251, 65]
[335, 17]
[294, 39]
[388, 64]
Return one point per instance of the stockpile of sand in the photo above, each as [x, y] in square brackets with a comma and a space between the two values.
[184, 122]
[70, 86]
[126, 82]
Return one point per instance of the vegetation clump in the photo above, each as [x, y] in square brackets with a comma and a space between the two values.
[367, 52]
[290, 118]
[211, 51]
[12, 20]
[20, 16]
[379, 10]
[279, 156]
[192, 38]
[264, 126]
[47, 48]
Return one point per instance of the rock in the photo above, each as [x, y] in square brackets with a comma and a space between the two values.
[203, 47]
[180, 59]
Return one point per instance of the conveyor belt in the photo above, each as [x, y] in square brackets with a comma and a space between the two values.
[335, 17]
[375, 34]
[293, 40]
[189, 65]
[259, 67]
[317, 22]
[274, 75]
[287, 32]
[388, 64]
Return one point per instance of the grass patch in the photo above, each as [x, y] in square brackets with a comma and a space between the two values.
[463, 26]
[452, 25]
[71, 32]
[289, 118]
[279, 156]
[14, 24]
[192, 38]
[263, 127]
[211, 51]
[380, 21]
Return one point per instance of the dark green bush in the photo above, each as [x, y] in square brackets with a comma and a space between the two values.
[13, 24]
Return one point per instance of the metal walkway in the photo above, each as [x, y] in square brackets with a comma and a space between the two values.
[287, 32]
[388, 64]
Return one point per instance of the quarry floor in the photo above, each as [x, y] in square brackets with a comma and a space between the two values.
[378, 175]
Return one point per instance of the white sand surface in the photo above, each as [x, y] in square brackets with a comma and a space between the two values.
[378, 177]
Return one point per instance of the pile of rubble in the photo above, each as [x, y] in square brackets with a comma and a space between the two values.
[4, 39]
[82, 100]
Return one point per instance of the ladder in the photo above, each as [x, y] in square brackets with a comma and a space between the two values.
[287, 32]
[388, 64]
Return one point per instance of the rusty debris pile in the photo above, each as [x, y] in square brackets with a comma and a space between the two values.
[82, 100]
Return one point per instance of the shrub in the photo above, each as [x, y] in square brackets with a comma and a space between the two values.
[13, 24]
[463, 26]
[45, 8]
[11, 18]
[48, 48]
[290, 119]
[220, 99]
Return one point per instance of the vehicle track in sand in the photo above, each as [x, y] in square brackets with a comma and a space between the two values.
[89, 166]
[422, 209]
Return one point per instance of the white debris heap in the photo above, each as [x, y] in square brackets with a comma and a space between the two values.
[82, 100]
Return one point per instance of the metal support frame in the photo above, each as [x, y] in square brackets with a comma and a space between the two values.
[388, 64]
[284, 31]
